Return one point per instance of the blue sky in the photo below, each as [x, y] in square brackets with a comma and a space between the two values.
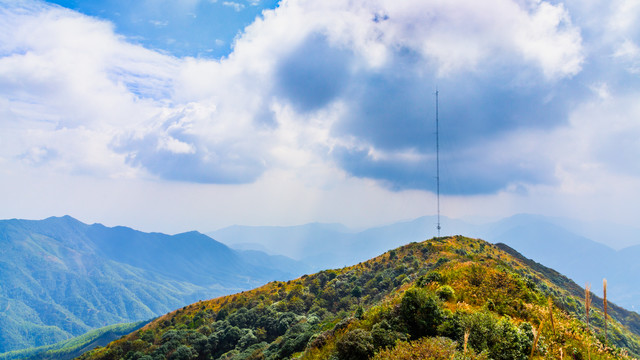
[197, 114]
[181, 28]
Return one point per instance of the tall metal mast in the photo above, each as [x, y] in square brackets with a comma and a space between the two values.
[438, 162]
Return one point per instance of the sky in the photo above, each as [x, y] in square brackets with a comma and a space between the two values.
[178, 115]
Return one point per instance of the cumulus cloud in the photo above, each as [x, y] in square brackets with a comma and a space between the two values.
[177, 148]
[347, 84]
[312, 75]
[79, 98]
[497, 74]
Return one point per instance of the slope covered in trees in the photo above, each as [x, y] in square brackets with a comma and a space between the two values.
[60, 278]
[582, 251]
[443, 298]
[76, 346]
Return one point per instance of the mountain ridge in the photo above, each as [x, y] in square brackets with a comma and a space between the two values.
[558, 247]
[429, 298]
[61, 277]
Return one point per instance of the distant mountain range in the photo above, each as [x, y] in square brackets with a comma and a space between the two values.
[61, 278]
[555, 242]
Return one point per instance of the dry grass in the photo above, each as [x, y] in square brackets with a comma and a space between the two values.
[587, 305]
[553, 326]
[604, 285]
[466, 339]
[535, 340]
[587, 301]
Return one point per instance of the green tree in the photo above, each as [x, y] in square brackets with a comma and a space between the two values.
[356, 292]
[510, 342]
[421, 313]
[183, 352]
[355, 345]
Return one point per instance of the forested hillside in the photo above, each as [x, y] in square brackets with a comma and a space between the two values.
[60, 278]
[445, 298]
[560, 243]
[69, 349]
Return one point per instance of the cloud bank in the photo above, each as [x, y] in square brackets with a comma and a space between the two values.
[533, 95]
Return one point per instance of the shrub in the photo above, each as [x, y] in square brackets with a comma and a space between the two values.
[247, 339]
[295, 339]
[441, 261]
[183, 353]
[446, 293]
[452, 326]
[147, 336]
[359, 313]
[432, 276]
[356, 292]
[383, 335]
[420, 312]
[510, 342]
[355, 345]
[501, 338]
[427, 348]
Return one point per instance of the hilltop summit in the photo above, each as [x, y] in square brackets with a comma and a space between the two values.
[443, 298]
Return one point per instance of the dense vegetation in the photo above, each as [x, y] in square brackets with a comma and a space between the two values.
[60, 278]
[444, 298]
[553, 242]
[72, 348]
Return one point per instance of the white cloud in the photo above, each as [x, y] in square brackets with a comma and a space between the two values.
[77, 68]
[459, 35]
[175, 146]
[78, 73]
[629, 53]
[552, 41]
[625, 16]
[68, 84]
[234, 5]
[81, 105]
[159, 23]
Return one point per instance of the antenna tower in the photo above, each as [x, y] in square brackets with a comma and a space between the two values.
[438, 163]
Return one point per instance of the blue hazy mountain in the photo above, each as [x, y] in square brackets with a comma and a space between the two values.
[324, 246]
[554, 242]
[60, 277]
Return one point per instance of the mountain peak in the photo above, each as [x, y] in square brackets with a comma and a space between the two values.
[62, 218]
[425, 298]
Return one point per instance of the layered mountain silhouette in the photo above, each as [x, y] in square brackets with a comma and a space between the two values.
[60, 277]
